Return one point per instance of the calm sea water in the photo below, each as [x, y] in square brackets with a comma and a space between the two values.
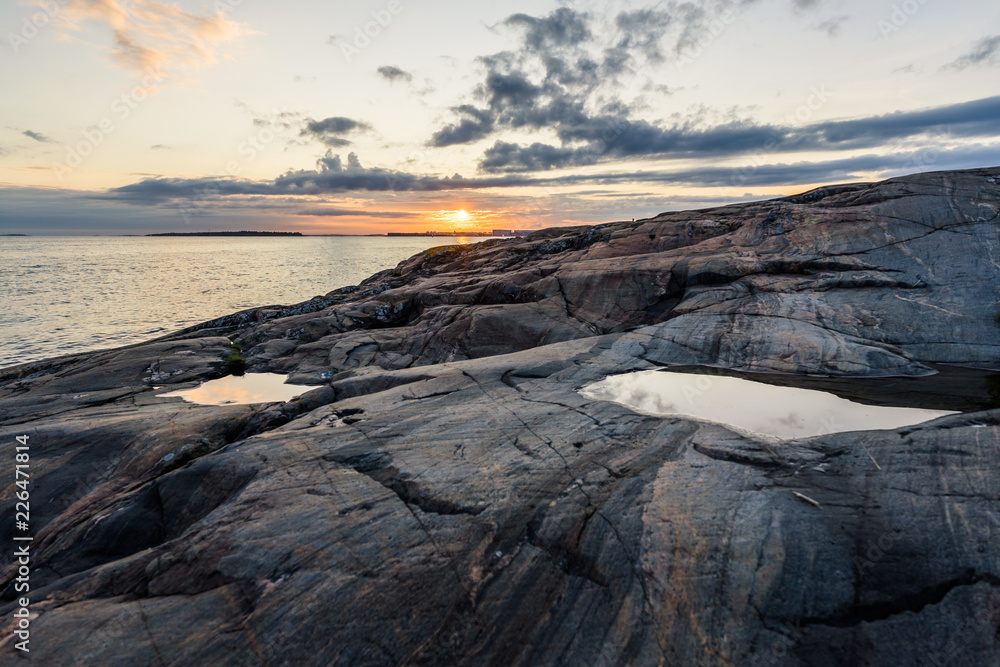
[60, 295]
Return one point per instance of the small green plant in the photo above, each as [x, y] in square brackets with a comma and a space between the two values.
[234, 357]
[997, 318]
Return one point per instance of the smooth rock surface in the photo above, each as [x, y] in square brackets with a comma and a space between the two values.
[445, 495]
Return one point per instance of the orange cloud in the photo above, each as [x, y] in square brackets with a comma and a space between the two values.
[148, 35]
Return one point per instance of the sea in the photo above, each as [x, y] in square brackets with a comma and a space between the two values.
[63, 295]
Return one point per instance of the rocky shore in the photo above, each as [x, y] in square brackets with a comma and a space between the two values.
[443, 494]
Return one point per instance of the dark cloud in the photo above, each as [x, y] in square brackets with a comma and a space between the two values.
[978, 118]
[334, 125]
[641, 31]
[504, 156]
[983, 53]
[38, 136]
[565, 75]
[392, 73]
[332, 131]
[476, 124]
[563, 27]
[331, 176]
[615, 137]
[161, 147]
[556, 76]
[839, 171]
[565, 78]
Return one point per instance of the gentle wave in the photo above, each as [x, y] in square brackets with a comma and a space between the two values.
[63, 295]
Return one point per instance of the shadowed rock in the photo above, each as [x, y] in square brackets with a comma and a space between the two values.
[447, 496]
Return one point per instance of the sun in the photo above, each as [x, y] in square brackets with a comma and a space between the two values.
[462, 215]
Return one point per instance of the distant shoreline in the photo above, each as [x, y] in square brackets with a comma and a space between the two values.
[243, 233]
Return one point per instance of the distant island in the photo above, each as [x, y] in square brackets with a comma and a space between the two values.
[242, 233]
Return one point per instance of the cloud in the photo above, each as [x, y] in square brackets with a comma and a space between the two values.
[567, 73]
[832, 26]
[161, 147]
[614, 137]
[332, 176]
[349, 213]
[475, 125]
[839, 170]
[38, 136]
[277, 120]
[640, 31]
[557, 73]
[332, 131]
[566, 77]
[147, 35]
[563, 27]
[983, 52]
[392, 74]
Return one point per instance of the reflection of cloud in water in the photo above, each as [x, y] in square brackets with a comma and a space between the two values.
[792, 420]
[242, 390]
[782, 412]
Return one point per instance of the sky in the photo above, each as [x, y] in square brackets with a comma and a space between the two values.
[374, 116]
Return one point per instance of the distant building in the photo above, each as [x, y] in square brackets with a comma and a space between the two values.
[512, 232]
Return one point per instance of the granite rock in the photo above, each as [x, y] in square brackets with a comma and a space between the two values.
[445, 495]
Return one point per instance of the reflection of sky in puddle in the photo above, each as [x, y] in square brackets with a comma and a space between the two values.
[782, 412]
[242, 389]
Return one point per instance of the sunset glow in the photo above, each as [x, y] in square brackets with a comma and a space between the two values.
[143, 117]
[465, 220]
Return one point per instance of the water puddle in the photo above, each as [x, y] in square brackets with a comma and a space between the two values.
[242, 390]
[762, 409]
